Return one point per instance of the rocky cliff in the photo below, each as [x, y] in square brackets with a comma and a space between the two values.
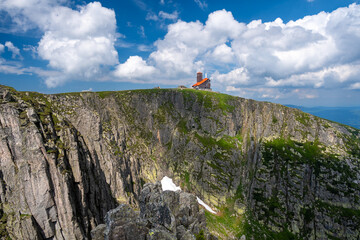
[271, 171]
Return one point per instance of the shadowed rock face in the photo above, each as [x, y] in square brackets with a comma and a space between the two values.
[163, 215]
[272, 171]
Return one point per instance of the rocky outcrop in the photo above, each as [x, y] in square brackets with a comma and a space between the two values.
[272, 171]
[163, 215]
[51, 185]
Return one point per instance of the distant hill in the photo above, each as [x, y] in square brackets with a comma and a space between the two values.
[345, 115]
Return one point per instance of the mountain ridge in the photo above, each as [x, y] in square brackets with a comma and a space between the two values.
[248, 159]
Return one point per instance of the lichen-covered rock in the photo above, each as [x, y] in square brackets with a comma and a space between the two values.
[121, 223]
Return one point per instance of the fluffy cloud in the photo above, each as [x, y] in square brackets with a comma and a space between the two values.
[223, 54]
[29, 14]
[332, 76]
[77, 43]
[238, 75]
[314, 51]
[135, 68]
[187, 45]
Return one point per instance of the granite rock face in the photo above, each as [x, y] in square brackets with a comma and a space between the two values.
[273, 171]
[163, 215]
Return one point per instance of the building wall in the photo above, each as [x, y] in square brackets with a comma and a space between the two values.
[205, 84]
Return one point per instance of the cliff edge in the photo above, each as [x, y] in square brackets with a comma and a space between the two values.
[270, 171]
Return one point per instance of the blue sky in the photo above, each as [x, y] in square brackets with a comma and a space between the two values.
[291, 52]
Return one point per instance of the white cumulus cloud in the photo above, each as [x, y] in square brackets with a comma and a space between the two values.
[222, 54]
[77, 43]
[134, 68]
[186, 47]
[236, 76]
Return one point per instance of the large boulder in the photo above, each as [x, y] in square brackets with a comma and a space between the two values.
[163, 215]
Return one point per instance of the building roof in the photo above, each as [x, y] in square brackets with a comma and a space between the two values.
[201, 82]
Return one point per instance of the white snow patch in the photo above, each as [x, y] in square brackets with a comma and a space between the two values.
[207, 207]
[168, 184]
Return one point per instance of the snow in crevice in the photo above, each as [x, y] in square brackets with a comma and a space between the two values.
[168, 184]
[207, 207]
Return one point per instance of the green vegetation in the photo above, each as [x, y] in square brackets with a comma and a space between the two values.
[51, 150]
[185, 176]
[352, 143]
[3, 223]
[210, 100]
[339, 212]
[258, 231]
[164, 112]
[200, 235]
[288, 150]
[11, 89]
[225, 224]
[151, 90]
[105, 94]
[282, 158]
[24, 216]
[225, 143]
[274, 119]
[303, 118]
[160, 116]
[206, 141]
[182, 126]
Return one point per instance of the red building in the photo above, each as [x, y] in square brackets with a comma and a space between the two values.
[201, 83]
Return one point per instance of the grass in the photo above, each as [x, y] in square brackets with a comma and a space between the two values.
[105, 94]
[303, 118]
[186, 180]
[225, 143]
[225, 224]
[253, 229]
[210, 100]
[274, 119]
[8, 88]
[200, 235]
[3, 225]
[182, 126]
